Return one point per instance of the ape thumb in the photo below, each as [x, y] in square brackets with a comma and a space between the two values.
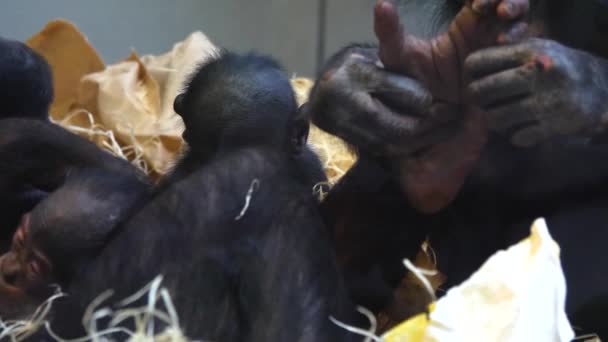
[390, 34]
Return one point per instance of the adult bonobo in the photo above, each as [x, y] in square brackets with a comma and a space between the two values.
[235, 231]
[468, 139]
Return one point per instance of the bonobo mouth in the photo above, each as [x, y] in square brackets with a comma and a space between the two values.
[7, 279]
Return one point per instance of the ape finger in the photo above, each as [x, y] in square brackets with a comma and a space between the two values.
[484, 6]
[495, 59]
[389, 32]
[396, 133]
[529, 136]
[506, 116]
[507, 9]
[402, 94]
[513, 9]
[499, 87]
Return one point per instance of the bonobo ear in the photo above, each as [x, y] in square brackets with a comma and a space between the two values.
[178, 104]
[298, 130]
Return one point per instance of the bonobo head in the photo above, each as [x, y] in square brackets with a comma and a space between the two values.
[60, 235]
[240, 100]
[26, 83]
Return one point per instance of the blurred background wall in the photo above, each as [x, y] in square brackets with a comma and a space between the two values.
[300, 33]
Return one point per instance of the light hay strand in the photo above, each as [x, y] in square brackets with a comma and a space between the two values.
[18, 331]
[421, 274]
[105, 138]
[144, 317]
[368, 334]
[255, 184]
[318, 190]
[588, 338]
[88, 319]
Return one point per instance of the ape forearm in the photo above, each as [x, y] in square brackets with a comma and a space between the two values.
[41, 154]
[361, 211]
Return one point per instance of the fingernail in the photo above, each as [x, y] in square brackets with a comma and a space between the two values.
[544, 63]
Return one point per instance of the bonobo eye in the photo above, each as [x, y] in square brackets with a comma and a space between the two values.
[34, 269]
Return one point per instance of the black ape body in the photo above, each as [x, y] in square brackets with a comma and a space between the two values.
[238, 267]
[35, 158]
[546, 157]
[26, 83]
[26, 91]
[62, 233]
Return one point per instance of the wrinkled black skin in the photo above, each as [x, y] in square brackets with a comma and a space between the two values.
[26, 91]
[562, 176]
[269, 276]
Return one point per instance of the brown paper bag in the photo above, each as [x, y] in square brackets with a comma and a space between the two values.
[71, 57]
[135, 100]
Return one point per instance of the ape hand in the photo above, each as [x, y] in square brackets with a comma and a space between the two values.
[380, 112]
[539, 89]
[432, 179]
[437, 63]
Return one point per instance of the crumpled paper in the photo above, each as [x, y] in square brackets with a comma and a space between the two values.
[70, 57]
[517, 295]
[135, 98]
[126, 108]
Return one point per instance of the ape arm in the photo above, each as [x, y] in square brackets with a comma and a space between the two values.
[41, 154]
[373, 228]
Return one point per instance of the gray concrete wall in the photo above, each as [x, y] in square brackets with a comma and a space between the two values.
[352, 21]
[287, 29]
[284, 28]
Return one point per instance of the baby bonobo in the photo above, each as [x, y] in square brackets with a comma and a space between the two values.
[61, 234]
[26, 83]
[235, 231]
[228, 88]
